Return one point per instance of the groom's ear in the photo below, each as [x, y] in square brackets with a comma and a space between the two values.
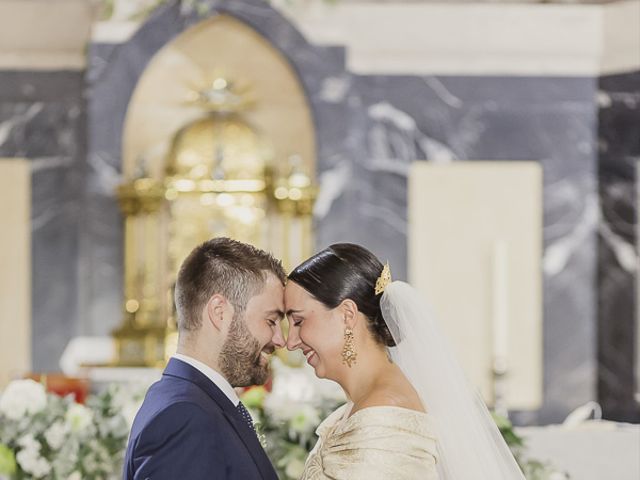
[350, 312]
[215, 311]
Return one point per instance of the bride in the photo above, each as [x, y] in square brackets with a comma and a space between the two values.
[410, 414]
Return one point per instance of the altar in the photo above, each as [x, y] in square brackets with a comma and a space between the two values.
[593, 450]
[491, 162]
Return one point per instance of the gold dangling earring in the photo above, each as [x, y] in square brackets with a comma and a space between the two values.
[349, 354]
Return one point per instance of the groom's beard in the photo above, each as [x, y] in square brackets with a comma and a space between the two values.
[241, 361]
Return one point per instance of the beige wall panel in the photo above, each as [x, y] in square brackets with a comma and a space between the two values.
[44, 34]
[15, 269]
[461, 216]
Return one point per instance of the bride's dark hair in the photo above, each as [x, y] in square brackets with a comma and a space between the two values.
[341, 271]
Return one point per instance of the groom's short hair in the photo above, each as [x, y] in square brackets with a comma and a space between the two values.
[223, 266]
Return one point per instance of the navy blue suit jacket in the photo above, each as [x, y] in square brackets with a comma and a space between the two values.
[187, 429]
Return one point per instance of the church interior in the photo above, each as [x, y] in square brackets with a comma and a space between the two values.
[488, 150]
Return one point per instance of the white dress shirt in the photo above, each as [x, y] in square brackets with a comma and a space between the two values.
[212, 375]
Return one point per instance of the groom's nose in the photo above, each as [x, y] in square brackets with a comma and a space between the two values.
[278, 337]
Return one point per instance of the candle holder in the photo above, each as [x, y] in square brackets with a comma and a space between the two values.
[499, 374]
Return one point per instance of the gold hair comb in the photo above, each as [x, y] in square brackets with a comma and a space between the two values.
[384, 279]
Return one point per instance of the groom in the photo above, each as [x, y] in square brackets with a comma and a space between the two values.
[229, 300]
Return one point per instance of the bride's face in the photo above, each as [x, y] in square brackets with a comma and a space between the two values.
[314, 329]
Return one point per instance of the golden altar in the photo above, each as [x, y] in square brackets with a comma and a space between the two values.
[220, 178]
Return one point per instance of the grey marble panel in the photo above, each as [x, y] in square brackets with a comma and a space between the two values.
[55, 216]
[619, 149]
[550, 120]
[42, 119]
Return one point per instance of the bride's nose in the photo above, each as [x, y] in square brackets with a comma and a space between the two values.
[293, 339]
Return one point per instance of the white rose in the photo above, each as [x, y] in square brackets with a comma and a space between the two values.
[28, 442]
[280, 409]
[295, 468]
[56, 434]
[75, 476]
[21, 397]
[31, 462]
[78, 417]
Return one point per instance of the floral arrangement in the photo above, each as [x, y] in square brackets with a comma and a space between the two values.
[47, 436]
[287, 437]
[286, 417]
[43, 435]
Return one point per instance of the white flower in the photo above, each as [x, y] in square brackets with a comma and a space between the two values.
[130, 410]
[56, 434]
[295, 387]
[21, 397]
[78, 417]
[305, 420]
[295, 468]
[120, 398]
[28, 442]
[31, 462]
[29, 457]
[75, 476]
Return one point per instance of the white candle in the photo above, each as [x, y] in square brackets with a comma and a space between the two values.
[500, 323]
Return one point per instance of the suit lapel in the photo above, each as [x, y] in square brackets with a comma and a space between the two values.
[177, 368]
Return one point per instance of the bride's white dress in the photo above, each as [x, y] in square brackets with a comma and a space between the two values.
[375, 443]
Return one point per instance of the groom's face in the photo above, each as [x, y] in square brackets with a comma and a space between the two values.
[254, 336]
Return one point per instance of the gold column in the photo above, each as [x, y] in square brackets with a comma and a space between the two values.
[140, 338]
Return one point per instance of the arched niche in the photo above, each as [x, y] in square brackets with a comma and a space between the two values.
[159, 104]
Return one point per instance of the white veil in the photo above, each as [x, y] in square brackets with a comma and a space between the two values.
[470, 445]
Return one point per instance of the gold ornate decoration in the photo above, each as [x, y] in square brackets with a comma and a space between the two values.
[140, 339]
[295, 194]
[384, 279]
[218, 180]
[349, 354]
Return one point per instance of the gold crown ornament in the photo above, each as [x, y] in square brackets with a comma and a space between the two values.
[384, 279]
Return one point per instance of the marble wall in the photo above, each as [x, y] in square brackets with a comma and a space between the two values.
[369, 128]
[551, 120]
[42, 118]
[617, 290]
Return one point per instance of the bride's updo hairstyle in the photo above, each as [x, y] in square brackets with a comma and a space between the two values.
[341, 271]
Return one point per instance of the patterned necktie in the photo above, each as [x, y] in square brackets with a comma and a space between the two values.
[246, 416]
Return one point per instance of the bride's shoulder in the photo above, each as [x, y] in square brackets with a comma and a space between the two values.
[331, 420]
